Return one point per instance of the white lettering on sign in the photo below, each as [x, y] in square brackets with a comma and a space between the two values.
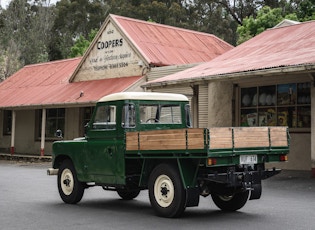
[111, 56]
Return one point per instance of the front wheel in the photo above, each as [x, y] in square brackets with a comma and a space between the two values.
[166, 192]
[70, 189]
[230, 202]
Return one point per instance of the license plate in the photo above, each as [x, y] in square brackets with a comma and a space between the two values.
[248, 159]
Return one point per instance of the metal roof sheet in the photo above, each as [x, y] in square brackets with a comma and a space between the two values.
[48, 84]
[278, 47]
[164, 45]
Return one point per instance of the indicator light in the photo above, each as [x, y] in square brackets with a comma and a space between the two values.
[212, 161]
[283, 158]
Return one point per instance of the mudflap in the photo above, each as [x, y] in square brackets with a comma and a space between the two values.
[193, 195]
[255, 192]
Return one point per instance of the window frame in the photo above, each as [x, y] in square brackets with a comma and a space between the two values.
[287, 105]
[7, 122]
[60, 115]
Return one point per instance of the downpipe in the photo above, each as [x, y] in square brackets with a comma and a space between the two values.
[52, 171]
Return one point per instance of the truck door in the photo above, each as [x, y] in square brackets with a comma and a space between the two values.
[102, 144]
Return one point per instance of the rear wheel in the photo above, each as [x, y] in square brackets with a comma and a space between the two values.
[126, 194]
[230, 202]
[166, 192]
[70, 189]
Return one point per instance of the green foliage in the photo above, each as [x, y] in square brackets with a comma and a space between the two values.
[35, 31]
[74, 18]
[306, 10]
[82, 44]
[266, 18]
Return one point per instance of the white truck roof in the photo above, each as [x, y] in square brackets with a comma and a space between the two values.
[144, 96]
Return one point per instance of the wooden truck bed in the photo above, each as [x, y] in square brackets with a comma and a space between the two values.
[213, 138]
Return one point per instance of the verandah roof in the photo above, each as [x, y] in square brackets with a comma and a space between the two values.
[47, 84]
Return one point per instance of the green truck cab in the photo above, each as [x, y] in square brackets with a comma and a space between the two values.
[142, 140]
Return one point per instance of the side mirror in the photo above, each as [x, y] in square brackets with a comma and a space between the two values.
[59, 133]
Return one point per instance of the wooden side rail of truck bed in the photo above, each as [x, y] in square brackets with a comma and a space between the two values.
[248, 137]
[172, 139]
[212, 138]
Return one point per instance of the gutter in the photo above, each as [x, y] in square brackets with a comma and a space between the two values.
[51, 106]
[305, 68]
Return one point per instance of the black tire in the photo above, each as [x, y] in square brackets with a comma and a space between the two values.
[166, 192]
[230, 203]
[70, 189]
[126, 194]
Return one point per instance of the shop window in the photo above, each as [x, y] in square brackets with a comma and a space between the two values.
[55, 119]
[7, 122]
[282, 105]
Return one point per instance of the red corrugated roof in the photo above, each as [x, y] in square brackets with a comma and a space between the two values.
[48, 84]
[163, 45]
[278, 47]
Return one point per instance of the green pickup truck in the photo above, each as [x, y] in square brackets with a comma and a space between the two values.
[141, 140]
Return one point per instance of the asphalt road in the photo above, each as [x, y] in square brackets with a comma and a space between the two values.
[29, 200]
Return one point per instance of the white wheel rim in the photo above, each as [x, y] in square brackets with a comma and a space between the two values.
[164, 191]
[67, 181]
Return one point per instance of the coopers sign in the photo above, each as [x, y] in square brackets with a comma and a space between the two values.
[110, 44]
[112, 56]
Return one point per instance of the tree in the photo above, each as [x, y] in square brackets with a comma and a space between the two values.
[74, 18]
[82, 44]
[9, 60]
[306, 10]
[266, 18]
[25, 28]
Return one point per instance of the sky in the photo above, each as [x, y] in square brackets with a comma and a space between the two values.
[5, 3]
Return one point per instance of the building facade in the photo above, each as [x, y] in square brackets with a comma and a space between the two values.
[42, 98]
[266, 81]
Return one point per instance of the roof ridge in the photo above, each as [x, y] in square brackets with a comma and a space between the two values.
[114, 16]
[292, 25]
[52, 62]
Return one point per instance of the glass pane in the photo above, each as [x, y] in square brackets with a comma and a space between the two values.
[105, 117]
[304, 117]
[51, 113]
[51, 127]
[287, 94]
[61, 112]
[304, 93]
[249, 97]
[149, 113]
[128, 116]
[249, 117]
[267, 117]
[170, 114]
[287, 116]
[267, 95]
[188, 116]
[7, 122]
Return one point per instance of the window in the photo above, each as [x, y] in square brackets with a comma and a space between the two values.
[105, 117]
[85, 117]
[163, 114]
[188, 117]
[128, 116]
[282, 105]
[7, 122]
[55, 119]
